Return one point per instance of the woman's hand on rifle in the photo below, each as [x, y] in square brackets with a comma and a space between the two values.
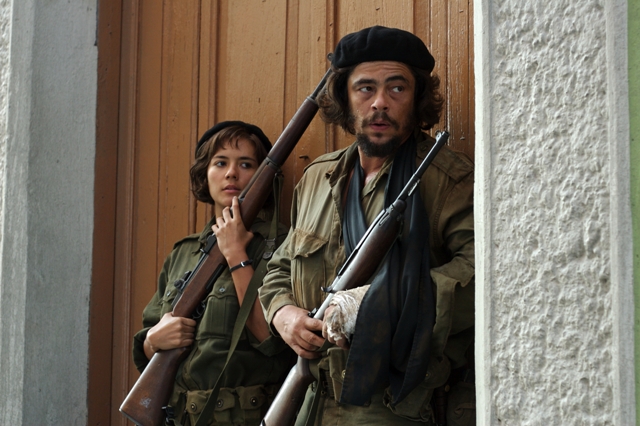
[169, 333]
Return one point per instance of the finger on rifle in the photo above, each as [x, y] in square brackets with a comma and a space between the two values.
[226, 214]
[188, 322]
[305, 353]
[234, 211]
[313, 333]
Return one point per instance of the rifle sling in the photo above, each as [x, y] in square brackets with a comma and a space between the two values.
[247, 303]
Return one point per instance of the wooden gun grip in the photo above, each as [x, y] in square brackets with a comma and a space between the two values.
[285, 406]
[144, 403]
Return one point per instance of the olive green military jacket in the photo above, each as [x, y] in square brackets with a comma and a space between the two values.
[253, 362]
[313, 251]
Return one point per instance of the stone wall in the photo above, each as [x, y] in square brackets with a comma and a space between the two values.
[5, 29]
[48, 87]
[555, 311]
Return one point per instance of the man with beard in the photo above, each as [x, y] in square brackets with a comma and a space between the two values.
[414, 326]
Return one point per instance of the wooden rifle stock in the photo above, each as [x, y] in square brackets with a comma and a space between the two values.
[145, 402]
[359, 267]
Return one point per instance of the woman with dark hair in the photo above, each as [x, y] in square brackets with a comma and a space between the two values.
[227, 156]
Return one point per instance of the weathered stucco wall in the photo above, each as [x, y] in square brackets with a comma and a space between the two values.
[48, 108]
[5, 27]
[634, 114]
[555, 288]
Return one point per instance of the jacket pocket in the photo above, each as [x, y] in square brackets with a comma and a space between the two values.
[308, 272]
[241, 405]
[219, 311]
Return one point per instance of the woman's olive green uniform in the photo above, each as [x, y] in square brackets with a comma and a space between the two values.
[314, 251]
[256, 369]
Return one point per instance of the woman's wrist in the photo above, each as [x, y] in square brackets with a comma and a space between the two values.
[242, 264]
[235, 258]
[149, 349]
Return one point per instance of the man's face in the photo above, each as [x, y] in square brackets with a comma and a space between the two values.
[381, 104]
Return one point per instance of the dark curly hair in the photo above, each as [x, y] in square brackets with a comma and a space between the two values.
[334, 99]
[228, 136]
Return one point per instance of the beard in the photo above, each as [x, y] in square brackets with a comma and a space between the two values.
[371, 149]
[380, 150]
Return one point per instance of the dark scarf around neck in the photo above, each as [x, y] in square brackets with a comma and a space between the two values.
[394, 324]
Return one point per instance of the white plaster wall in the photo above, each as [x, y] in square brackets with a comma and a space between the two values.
[49, 107]
[553, 218]
[5, 28]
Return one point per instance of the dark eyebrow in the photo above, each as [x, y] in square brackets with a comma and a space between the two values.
[393, 78]
[364, 81]
[224, 157]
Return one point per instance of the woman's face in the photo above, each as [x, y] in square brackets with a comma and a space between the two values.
[229, 172]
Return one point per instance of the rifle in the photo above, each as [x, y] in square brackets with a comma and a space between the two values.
[361, 264]
[144, 405]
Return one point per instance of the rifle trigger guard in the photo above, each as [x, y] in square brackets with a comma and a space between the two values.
[170, 414]
[199, 311]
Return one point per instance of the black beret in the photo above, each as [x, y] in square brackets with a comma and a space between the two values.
[382, 44]
[255, 130]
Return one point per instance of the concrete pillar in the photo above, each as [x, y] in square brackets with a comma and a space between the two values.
[48, 146]
[553, 220]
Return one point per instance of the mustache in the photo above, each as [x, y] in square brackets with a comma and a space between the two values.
[380, 115]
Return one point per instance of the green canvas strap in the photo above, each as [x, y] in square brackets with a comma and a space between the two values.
[267, 247]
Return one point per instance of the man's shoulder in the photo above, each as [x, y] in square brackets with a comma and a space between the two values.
[325, 161]
[329, 157]
[457, 165]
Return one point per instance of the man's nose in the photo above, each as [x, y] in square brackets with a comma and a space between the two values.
[380, 101]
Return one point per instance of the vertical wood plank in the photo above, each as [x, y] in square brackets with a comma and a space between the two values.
[103, 260]
[178, 120]
[253, 82]
[471, 118]
[146, 157]
[306, 64]
[201, 212]
[438, 30]
[459, 76]
[125, 199]
[251, 63]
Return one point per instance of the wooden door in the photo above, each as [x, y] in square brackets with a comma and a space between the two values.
[171, 69]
